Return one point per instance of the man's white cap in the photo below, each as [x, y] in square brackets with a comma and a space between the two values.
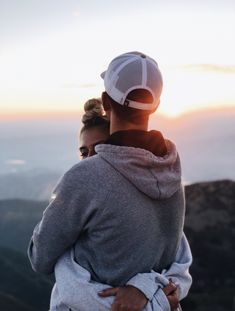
[130, 71]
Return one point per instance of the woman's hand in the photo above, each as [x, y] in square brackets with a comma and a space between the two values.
[127, 298]
[171, 293]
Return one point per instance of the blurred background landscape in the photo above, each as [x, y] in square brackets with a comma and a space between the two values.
[35, 153]
[51, 55]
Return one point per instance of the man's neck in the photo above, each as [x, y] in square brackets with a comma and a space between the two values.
[117, 125]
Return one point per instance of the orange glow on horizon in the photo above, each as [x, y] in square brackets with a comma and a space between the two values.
[77, 114]
[28, 115]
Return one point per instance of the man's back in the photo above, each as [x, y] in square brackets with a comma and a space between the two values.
[122, 210]
[137, 216]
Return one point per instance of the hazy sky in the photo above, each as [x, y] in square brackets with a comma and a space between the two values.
[52, 51]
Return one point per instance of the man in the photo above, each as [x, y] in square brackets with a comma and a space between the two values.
[122, 210]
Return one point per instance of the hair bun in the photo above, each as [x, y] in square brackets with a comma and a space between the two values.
[93, 109]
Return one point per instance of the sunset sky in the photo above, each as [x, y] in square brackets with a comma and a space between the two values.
[53, 51]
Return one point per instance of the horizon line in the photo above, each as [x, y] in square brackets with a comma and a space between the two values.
[53, 114]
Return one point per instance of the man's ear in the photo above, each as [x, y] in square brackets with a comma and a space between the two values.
[105, 101]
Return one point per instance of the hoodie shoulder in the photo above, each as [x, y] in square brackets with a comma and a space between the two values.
[85, 171]
[84, 167]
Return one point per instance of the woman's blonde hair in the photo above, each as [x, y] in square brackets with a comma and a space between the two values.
[94, 115]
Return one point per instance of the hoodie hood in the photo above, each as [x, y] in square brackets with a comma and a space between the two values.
[158, 177]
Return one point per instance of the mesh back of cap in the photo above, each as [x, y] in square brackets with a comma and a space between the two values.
[129, 76]
[154, 80]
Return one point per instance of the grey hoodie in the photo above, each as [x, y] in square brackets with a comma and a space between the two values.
[122, 211]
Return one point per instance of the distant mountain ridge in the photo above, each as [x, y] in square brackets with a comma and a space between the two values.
[209, 226]
[31, 185]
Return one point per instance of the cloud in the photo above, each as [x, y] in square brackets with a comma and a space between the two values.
[76, 13]
[228, 69]
[16, 162]
[87, 85]
[73, 85]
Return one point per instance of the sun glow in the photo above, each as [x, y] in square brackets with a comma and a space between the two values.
[186, 91]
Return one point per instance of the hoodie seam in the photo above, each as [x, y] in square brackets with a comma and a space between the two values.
[157, 182]
[126, 179]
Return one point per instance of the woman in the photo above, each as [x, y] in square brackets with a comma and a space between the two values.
[95, 128]
[72, 279]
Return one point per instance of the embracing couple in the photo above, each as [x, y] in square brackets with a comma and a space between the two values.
[113, 231]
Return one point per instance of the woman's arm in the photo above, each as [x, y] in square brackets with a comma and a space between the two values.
[76, 289]
[151, 284]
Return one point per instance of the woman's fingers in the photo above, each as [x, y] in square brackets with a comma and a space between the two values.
[169, 289]
[173, 301]
[112, 291]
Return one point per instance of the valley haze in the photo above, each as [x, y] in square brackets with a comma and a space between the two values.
[36, 152]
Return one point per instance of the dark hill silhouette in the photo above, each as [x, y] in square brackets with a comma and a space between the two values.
[17, 220]
[20, 287]
[10, 303]
[209, 226]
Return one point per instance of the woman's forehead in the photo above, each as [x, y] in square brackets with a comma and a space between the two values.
[93, 135]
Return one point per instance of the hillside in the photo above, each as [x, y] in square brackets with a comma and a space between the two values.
[209, 226]
[17, 221]
[21, 289]
[10, 303]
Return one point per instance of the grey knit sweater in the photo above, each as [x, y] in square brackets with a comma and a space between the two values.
[122, 210]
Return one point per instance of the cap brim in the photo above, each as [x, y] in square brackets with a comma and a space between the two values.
[103, 74]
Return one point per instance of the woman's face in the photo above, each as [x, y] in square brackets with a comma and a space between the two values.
[89, 139]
